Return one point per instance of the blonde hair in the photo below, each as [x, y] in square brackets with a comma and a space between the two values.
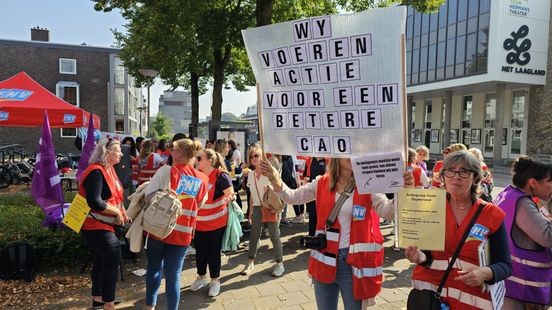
[477, 153]
[457, 147]
[146, 149]
[425, 149]
[99, 156]
[335, 170]
[411, 155]
[217, 161]
[188, 147]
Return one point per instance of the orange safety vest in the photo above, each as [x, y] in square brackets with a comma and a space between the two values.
[456, 293]
[97, 220]
[191, 186]
[214, 213]
[417, 175]
[366, 243]
[437, 169]
[147, 172]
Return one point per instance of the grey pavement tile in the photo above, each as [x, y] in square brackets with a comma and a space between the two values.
[295, 298]
[270, 289]
[295, 285]
[239, 304]
[268, 302]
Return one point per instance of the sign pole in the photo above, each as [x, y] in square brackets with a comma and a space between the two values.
[260, 120]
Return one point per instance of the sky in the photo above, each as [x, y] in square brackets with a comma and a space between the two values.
[75, 22]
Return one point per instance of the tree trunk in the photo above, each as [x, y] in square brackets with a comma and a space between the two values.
[194, 86]
[264, 12]
[220, 61]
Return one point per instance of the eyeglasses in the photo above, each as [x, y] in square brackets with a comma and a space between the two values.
[255, 156]
[463, 173]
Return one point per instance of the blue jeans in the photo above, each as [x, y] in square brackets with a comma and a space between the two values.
[170, 258]
[327, 294]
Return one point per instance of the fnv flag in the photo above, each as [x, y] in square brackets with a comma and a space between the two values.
[46, 186]
[331, 85]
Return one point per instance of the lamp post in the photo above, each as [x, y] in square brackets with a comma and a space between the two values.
[148, 73]
[140, 109]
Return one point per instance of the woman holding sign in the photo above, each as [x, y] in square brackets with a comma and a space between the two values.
[530, 239]
[461, 176]
[104, 195]
[168, 254]
[347, 256]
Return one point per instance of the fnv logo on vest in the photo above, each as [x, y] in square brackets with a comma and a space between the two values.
[359, 213]
[188, 185]
[4, 115]
[478, 232]
[69, 118]
[14, 94]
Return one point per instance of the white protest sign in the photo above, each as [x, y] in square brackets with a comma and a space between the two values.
[378, 173]
[332, 85]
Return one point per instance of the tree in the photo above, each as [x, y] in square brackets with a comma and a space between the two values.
[161, 126]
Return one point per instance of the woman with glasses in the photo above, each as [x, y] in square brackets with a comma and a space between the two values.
[211, 221]
[104, 195]
[461, 175]
[167, 255]
[257, 184]
[530, 235]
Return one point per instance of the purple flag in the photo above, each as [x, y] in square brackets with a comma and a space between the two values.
[87, 149]
[46, 186]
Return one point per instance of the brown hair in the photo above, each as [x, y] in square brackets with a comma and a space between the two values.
[334, 170]
[146, 149]
[188, 147]
[524, 168]
[217, 161]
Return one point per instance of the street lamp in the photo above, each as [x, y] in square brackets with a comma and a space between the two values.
[140, 109]
[148, 73]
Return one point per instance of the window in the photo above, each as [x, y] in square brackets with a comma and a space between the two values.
[413, 115]
[119, 126]
[67, 66]
[490, 117]
[427, 114]
[119, 71]
[444, 108]
[518, 108]
[119, 101]
[68, 91]
[467, 111]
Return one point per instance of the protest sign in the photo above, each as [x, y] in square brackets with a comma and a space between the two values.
[422, 216]
[378, 173]
[78, 210]
[331, 85]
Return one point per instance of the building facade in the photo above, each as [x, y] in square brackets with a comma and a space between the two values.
[477, 74]
[92, 78]
[177, 106]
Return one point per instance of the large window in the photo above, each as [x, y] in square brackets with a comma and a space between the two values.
[467, 111]
[119, 100]
[67, 66]
[119, 71]
[490, 118]
[448, 44]
[68, 91]
[518, 113]
[427, 114]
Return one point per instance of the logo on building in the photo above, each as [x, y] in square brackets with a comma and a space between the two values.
[69, 118]
[519, 7]
[4, 115]
[520, 54]
[14, 94]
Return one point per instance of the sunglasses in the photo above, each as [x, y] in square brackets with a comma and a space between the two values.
[255, 156]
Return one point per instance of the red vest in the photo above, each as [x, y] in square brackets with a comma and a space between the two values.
[147, 172]
[191, 185]
[436, 170]
[417, 175]
[116, 198]
[365, 249]
[214, 213]
[135, 169]
[456, 293]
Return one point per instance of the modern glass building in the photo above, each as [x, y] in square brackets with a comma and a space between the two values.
[476, 74]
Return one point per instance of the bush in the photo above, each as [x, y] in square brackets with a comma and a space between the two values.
[21, 218]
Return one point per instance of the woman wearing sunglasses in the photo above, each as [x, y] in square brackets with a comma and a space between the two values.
[461, 176]
[211, 221]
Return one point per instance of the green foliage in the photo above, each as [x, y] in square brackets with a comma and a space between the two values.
[21, 218]
[161, 126]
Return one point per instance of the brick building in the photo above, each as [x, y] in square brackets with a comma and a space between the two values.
[92, 78]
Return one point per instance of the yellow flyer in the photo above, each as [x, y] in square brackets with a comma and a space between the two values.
[78, 210]
[421, 218]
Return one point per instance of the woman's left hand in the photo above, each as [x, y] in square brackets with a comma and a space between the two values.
[476, 276]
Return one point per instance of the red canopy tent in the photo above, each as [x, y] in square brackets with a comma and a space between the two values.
[23, 103]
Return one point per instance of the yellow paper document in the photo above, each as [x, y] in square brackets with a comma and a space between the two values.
[421, 218]
[78, 210]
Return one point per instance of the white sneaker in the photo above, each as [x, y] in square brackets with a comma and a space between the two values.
[214, 288]
[191, 251]
[248, 269]
[278, 269]
[199, 283]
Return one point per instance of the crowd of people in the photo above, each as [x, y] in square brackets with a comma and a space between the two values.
[346, 244]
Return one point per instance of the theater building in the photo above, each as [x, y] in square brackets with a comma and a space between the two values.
[477, 73]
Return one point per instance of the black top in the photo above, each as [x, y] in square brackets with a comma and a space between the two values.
[223, 182]
[97, 190]
[288, 171]
[317, 167]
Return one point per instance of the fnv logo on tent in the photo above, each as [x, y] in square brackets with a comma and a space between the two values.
[4, 115]
[69, 118]
[14, 94]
